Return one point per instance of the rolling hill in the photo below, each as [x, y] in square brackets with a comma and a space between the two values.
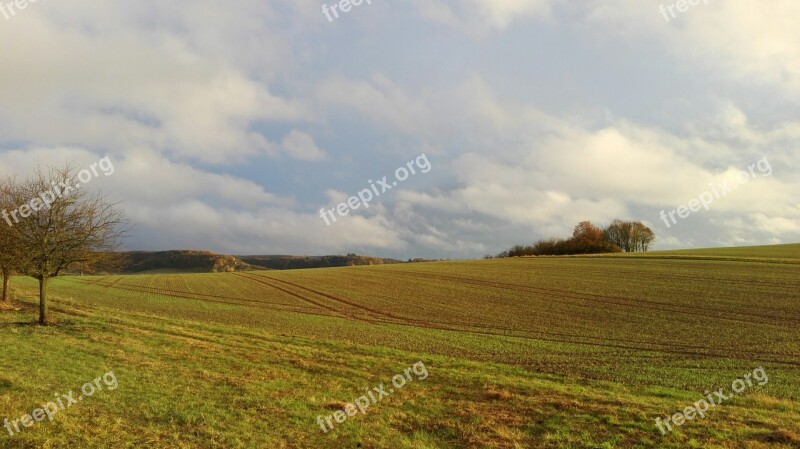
[530, 352]
[200, 261]
[306, 262]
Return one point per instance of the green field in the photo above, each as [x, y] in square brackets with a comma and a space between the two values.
[769, 253]
[521, 353]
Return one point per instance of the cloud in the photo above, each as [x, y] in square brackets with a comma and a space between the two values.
[560, 172]
[267, 230]
[379, 100]
[301, 146]
[174, 205]
[147, 177]
[757, 44]
[131, 87]
[187, 98]
[478, 17]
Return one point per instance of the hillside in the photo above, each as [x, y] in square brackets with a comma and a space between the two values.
[303, 262]
[531, 352]
[198, 261]
[787, 253]
[182, 261]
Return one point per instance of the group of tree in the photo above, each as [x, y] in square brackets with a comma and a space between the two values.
[628, 236]
[49, 225]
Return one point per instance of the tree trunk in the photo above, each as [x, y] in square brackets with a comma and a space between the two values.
[6, 284]
[43, 319]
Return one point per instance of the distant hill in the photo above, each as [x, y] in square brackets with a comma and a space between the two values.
[300, 262]
[199, 261]
[186, 261]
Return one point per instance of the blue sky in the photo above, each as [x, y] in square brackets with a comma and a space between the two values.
[231, 125]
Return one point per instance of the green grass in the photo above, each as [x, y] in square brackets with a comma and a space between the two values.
[535, 352]
[789, 253]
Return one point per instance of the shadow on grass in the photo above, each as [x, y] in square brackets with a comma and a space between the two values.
[18, 310]
[35, 323]
[19, 324]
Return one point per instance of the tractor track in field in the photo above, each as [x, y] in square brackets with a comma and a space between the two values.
[340, 300]
[605, 299]
[261, 280]
[100, 281]
[209, 339]
[388, 318]
[218, 300]
[472, 328]
[162, 290]
[697, 355]
[113, 283]
[377, 316]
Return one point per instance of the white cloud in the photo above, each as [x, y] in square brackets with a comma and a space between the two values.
[752, 43]
[380, 100]
[478, 17]
[300, 145]
[185, 96]
[130, 87]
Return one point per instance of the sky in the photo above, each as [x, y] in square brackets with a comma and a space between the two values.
[230, 125]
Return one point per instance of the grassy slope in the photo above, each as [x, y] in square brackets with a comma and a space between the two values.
[551, 352]
[789, 253]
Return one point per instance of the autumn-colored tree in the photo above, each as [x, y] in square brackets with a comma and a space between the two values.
[589, 239]
[585, 233]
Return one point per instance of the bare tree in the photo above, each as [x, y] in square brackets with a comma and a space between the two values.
[619, 233]
[641, 236]
[631, 236]
[61, 225]
[11, 251]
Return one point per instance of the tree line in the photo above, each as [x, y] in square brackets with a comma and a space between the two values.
[50, 225]
[628, 236]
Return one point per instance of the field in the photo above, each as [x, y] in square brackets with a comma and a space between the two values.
[520, 353]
